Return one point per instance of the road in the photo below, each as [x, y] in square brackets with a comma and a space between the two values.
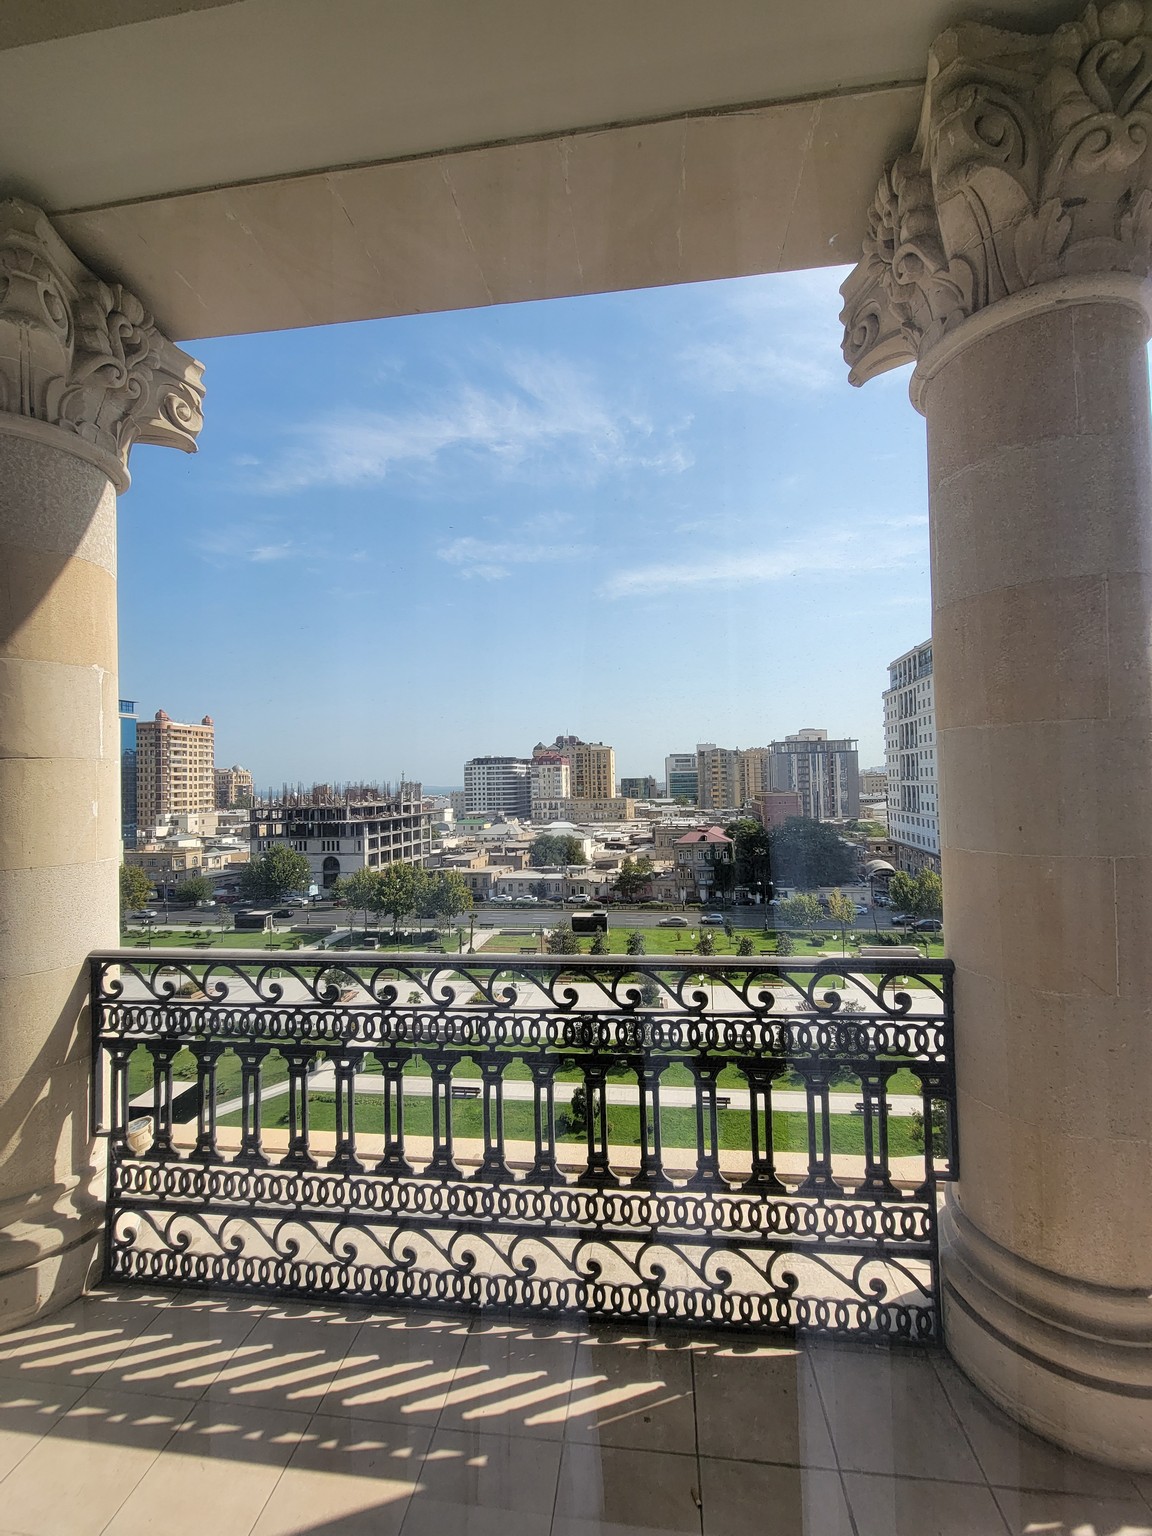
[516, 919]
[323, 1080]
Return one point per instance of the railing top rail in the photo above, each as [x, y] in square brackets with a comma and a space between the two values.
[503, 960]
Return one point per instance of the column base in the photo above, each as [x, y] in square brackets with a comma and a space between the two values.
[51, 1251]
[1070, 1360]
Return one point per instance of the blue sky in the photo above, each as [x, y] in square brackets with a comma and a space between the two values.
[648, 518]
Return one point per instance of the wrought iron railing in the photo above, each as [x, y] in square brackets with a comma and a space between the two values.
[759, 1141]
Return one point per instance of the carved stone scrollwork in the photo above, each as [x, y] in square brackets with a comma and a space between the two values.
[84, 356]
[1032, 165]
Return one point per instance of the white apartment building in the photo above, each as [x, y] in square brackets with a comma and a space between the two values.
[550, 776]
[910, 751]
[498, 786]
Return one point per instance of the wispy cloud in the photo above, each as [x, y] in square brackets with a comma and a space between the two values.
[494, 560]
[257, 543]
[875, 545]
[782, 337]
[539, 410]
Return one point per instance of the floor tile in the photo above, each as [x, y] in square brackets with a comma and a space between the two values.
[434, 1517]
[630, 1394]
[182, 1350]
[903, 1506]
[77, 1477]
[28, 1410]
[761, 1406]
[78, 1343]
[510, 1383]
[650, 1490]
[1012, 1457]
[346, 1475]
[889, 1413]
[397, 1370]
[1072, 1514]
[756, 1500]
[493, 1471]
[286, 1362]
[215, 1474]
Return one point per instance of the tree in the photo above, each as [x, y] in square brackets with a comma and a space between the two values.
[193, 889]
[400, 890]
[929, 894]
[359, 891]
[636, 943]
[784, 944]
[799, 911]
[273, 875]
[745, 946]
[562, 941]
[632, 881]
[556, 848]
[807, 854]
[446, 895]
[706, 944]
[135, 888]
[599, 945]
[841, 910]
[751, 852]
[902, 892]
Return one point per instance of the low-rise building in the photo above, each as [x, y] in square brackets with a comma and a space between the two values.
[774, 807]
[699, 855]
[617, 808]
[643, 788]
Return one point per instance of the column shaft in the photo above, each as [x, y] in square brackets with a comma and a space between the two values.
[59, 857]
[1040, 459]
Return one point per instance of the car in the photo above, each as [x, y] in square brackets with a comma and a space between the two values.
[295, 901]
[579, 901]
[531, 900]
[927, 925]
[673, 922]
[500, 898]
[142, 917]
[281, 911]
[713, 919]
[861, 909]
[900, 917]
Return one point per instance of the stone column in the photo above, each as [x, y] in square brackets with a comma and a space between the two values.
[1008, 256]
[83, 375]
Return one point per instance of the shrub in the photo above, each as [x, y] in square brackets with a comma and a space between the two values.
[785, 944]
[939, 1132]
[706, 944]
[636, 943]
[745, 946]
[599, 944]
[650, 994]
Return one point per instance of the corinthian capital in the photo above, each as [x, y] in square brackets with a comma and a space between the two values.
[1032, 164]
[84, 356]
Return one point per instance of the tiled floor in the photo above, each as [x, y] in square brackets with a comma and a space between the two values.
[136, 1413]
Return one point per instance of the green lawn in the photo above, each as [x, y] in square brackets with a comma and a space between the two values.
[678, 1125]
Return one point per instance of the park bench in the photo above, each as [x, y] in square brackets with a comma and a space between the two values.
[465, 1091]
[723, 1100]
[529, 949]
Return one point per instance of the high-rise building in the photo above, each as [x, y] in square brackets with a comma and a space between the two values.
[681, 781]
[233, 788]
[128, 772]
[642, 788]
[910, 750]
[751, 774]
[175, 773]
[550, 775]
[825, 774]
[498, 786]
[593, 771]
[718, 776]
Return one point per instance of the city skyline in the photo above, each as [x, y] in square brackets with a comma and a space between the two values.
[648, 518]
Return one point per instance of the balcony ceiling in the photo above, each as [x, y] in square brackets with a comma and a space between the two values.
[254, 164]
